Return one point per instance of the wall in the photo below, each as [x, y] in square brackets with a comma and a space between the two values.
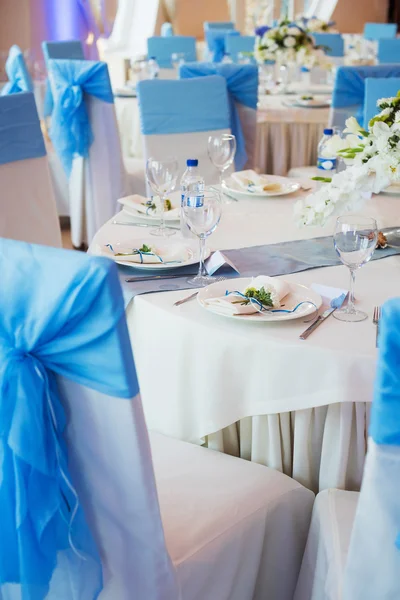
[14, 24]
[350, 15]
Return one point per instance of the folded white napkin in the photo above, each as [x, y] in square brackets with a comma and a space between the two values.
[176, 253]
[138, 204]
[252, 182]
[233, 304]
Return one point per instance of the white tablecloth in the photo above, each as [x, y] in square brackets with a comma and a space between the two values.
[287, 137]
[299, 406]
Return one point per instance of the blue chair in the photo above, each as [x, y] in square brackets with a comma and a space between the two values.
[167, 30]
[389, 51]
[377, 31]
[162, 48]
[218, 25]
[69, 49]
[216, 40]
[242, 84]
[234, 44]
[19, 79]
[333, 43]
[376, 89]
[349, 90]
[178, 116]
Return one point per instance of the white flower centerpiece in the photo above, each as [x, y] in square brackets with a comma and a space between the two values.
[373, 162]
[287, 44]
[315, 25]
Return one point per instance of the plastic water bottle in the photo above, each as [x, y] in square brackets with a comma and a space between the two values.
[192, 183]
[325, 162]
[152, 68]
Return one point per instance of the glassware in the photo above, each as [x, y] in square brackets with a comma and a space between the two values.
[243, 58]
[221, 152]
[177, 59]
[266, 73]
[355, 241]
[202, 214]
[162, 176]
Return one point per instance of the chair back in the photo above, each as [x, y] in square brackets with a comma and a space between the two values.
[216, 42]
[183, 126]
[389, 51]
[373, 561]
[162, 48]
[218, 25]
[234, 44]
[19, 79]
[376, 89]
[242, 84]
[77, 438]
[85, 135]
[333, 43]
[349, 90]
[377, 31]
[28, 208]
[69, 49]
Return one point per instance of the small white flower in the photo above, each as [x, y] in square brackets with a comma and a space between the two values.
[384, 101]
[352, 126]
[293, 31]
[289, 42]
[385, 112]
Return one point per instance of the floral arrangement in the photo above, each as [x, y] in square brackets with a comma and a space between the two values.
[288, 44]
[373, 162]
[315, 25]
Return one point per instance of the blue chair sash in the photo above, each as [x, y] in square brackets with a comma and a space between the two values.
[162, 48]
[66, 317]
[68, 49]
[168, 107]
[20, 133]
[215, 39]
[19, 79]
[349, 88]
[71, 80]
[242, 84]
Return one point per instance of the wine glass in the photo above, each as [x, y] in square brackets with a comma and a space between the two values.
[162, 176]
[221, 152]
[177, 59]
[355, 242]
[202, 214]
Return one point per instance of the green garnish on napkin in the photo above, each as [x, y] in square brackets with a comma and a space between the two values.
[307, 97]
[152, 206]
[261, 295]
[145, 248]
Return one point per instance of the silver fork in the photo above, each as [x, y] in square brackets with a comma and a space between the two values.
[375, 319]
[179, 302]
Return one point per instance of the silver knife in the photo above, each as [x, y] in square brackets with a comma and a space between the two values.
[154, 277]
[141, 224]
[327, 313]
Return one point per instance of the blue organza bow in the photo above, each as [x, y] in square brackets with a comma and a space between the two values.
[216, 42]
[70, 130]
[19, 79]
[60, 313]
[242, 84]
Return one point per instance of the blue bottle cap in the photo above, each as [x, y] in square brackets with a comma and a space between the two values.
[192, 162]
[328, 131]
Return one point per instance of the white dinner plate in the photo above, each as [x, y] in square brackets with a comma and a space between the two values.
[191, 250]
[298, 293]
[133, 208]
[314, 103]
[288, 187]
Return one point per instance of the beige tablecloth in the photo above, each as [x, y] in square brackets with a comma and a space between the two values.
[255, 389]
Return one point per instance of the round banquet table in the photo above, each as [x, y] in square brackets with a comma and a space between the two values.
[287, 136]
[256, 390]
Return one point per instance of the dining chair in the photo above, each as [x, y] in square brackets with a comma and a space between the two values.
[28, 208]
[349, 90]
[353, 548]
[333, 43]
[162, 48]
[389, 51]
[242, 85]
[216, 42]
[107, 507]
[378, 31]
[235, 44]
[85, 135]
[218, 25]
[176, 120]
[376, 88]
[19, 79]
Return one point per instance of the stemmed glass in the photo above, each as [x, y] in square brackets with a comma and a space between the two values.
[355, 242]
[162, 176]
[221, 152]
[202, 214]
[177, 59]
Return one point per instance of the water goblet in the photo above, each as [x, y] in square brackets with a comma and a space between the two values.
[162, 176]
[355, 240]
[202, 214]
[221, 152]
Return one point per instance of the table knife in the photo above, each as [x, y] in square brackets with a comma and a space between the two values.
[156, 277]
[327, 313]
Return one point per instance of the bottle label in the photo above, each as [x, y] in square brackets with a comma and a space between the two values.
[326, 164]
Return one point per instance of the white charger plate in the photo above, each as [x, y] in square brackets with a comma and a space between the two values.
[192, 253]
[288, 187]
[129, 208]
[298, 293]
[314, 103]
